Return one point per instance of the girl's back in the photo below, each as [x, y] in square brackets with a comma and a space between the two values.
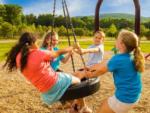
[38, 70]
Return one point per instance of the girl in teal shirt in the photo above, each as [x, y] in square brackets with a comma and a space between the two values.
[126, 71]
[50, 42]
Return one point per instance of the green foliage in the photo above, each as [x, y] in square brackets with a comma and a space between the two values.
[78, 23]
[13, 14]
[59, 21]
[44, 19]
[19, 23]
[30, 19]
[79, 31]
[112, 31]
[2, 11]
[147, 24]
[62, 31]
[40, 31]
[147, 34]
[143, 31]
[6, 30]
[26, 28]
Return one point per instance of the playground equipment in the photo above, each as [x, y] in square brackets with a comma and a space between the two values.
[137, 15]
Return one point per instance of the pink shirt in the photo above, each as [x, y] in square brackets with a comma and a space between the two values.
[38, 70]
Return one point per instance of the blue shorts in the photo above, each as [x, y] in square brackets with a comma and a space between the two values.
[57, 91]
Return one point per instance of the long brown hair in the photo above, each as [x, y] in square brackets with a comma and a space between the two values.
[130, 40]
[48, 35]
[23, 45]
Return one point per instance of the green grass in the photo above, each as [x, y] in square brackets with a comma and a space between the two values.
[5, 46]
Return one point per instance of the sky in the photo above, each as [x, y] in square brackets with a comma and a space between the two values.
[80, 7]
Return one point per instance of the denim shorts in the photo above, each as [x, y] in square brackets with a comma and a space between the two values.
[57, 91]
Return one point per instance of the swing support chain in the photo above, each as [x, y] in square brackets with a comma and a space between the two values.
[73, 31]
[68, 36]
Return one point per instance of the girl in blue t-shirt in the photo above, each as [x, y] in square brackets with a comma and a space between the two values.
[50, 42]
[126, 71]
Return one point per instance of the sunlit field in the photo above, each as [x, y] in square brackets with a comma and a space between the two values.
[6, 45]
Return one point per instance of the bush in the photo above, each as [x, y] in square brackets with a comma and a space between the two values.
[147, 34]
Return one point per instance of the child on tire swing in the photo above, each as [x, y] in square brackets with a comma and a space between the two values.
[126, 71]
[95, 51]
[34, 65]
[50, 42]
[95, 56]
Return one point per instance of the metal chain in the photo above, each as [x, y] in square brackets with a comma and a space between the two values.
[74, 35]
[53, 22]
[67, 26]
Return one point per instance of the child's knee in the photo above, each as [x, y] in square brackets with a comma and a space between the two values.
[75, 80]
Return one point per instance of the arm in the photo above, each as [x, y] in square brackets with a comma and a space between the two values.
[97, 70]
[93, 71]
[66, 58]
[55, 54]
[80, 50]
[90, 50]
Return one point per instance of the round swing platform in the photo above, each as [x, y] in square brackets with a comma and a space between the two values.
[85, 88]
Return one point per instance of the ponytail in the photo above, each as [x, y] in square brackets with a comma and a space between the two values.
[139, 59]
[11, 57]
[24, 55]
[23, 45]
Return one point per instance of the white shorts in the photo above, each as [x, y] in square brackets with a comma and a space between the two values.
[119, 107]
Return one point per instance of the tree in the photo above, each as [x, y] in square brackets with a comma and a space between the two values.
[112, 31]
[79, 31]
[45, 19]
[1, 20]
[147, 24]
[2, 12]
[40, 30]
[60, 21]
[78, 23]
[143, 31]
[24, 28]
[62, 31]
[147, 34]
[7, 30]
[31, 19]
[13, 14]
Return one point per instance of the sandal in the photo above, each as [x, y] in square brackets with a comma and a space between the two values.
[85, 109]
[74, 109]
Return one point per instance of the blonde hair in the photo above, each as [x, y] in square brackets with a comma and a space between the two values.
[49, 34]
[101, 33]
[131, 42]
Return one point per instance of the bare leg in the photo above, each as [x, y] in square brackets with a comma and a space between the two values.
[79, 106]
[146, 57]
[75, 80]
[105, 108]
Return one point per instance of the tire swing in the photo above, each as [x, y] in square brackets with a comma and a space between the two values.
[87, 86]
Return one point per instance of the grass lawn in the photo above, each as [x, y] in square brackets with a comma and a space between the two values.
[5, 46]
